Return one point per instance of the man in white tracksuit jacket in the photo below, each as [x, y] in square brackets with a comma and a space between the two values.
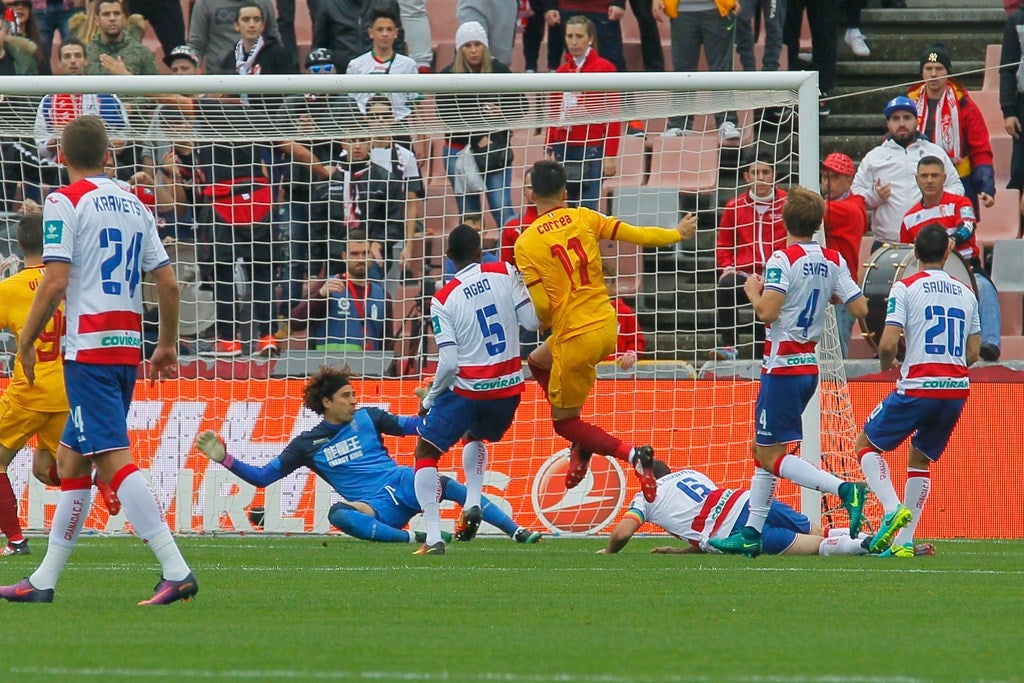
[887, 175]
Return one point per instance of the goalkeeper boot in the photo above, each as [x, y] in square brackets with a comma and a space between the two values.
[172, 591]
[643, 464]
[468, 524]
[524, 535]
[108, 495]
[903, 551]
[24, 591]
[852, 494]
[891, 524]
[19, 548]
[436, 549]
[421, 536]
[745, 542]
[579, 463]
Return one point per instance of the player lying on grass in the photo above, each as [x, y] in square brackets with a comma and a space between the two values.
[691, 507]
[346, 451]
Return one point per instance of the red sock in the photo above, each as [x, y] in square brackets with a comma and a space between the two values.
[592, 438]
[540, 374]
[54, 477]
[9, 525]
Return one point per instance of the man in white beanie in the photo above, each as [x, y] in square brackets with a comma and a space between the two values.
[497, 17]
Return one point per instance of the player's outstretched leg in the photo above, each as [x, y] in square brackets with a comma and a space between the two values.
[853, 494]
[745, 542]
[360, 525]
[579, 463]
[891, 524]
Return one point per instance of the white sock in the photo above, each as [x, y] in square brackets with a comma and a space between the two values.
[841, 545]
[801, 472]
[762, 492]
[474, 464]
[428, 495]
[876, 473]
[142, 511]
[915, 495]
[68, 520]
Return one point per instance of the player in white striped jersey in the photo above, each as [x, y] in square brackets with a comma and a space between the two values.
[799, 284]
[98, 240]
[479, 380]
[938, 316]
[691, 507]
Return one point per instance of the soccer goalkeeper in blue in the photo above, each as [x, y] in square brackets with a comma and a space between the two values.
[346, 451]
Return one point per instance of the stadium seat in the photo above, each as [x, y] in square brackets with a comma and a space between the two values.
[988, 103]
[1002, 149]
[624, 258]
[990, 82]
[1011, 307]
[1001, 221]
[646, 205]
[631, 162]
[688, 164]
[1007, 273]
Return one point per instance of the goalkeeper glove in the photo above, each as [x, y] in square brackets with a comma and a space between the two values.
[211, 446]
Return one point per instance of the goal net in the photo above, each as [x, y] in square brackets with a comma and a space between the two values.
[307, 221]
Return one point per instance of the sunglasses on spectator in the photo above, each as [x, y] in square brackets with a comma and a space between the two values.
[324, 68]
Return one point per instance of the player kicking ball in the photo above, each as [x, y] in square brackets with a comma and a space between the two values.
[791, 299]
[931, 392]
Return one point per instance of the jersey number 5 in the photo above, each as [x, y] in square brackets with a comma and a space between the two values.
[491, 329]
[560, 253]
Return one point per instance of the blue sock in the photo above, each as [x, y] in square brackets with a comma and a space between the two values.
[362, 526]
[456, 492]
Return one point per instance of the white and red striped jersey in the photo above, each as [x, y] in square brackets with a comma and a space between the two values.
[807, 275]
[937, 313]
[951, 212]
[110, 240]
[479, 312]
[691, 507]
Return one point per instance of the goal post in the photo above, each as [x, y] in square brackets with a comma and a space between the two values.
[283, 185]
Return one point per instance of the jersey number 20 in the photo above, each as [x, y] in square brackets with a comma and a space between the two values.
[946, 334]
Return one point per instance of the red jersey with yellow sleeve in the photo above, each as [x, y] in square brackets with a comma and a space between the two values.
[47, 394]
[560, 259]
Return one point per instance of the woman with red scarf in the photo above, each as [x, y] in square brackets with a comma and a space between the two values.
[947, 116]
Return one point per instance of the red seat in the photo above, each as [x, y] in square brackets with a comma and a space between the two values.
[624, 259]
[1011, 307]
[993, 53]
[988, 103]
[631, 164]
[1001, 221]
[1002, 150]
[688, 163]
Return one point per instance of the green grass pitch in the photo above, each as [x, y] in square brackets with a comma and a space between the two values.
[333, 609]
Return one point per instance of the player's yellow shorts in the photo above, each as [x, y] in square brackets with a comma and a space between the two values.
[18, 425]
[574, 366]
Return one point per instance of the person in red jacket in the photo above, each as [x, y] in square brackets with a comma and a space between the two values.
[947, 116]
[586, 150]
[512, 228]
[845, 222]
[749, 231]
[630, 341]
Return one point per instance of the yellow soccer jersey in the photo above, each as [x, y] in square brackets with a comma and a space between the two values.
[47, 394]
[559, 253]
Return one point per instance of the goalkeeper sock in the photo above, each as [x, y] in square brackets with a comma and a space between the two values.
[540, 374]
[474, 464]
[68, 520]
[801, 472]
[762, 492]
[362, 526]
[876, 473]
[496, 516]
[841, 545]
[143, 513]
[592, 438]
[9, 524]
[428, 493]
[915, 495]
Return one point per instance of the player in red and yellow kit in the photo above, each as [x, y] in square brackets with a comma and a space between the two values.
[39, 410]
[561, 264]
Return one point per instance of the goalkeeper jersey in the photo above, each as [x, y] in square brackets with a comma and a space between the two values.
[559, 251]
[47, 394]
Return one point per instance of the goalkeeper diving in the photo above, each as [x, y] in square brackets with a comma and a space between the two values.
[346, 451]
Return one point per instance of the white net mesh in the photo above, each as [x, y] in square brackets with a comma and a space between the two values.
[309, 229]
